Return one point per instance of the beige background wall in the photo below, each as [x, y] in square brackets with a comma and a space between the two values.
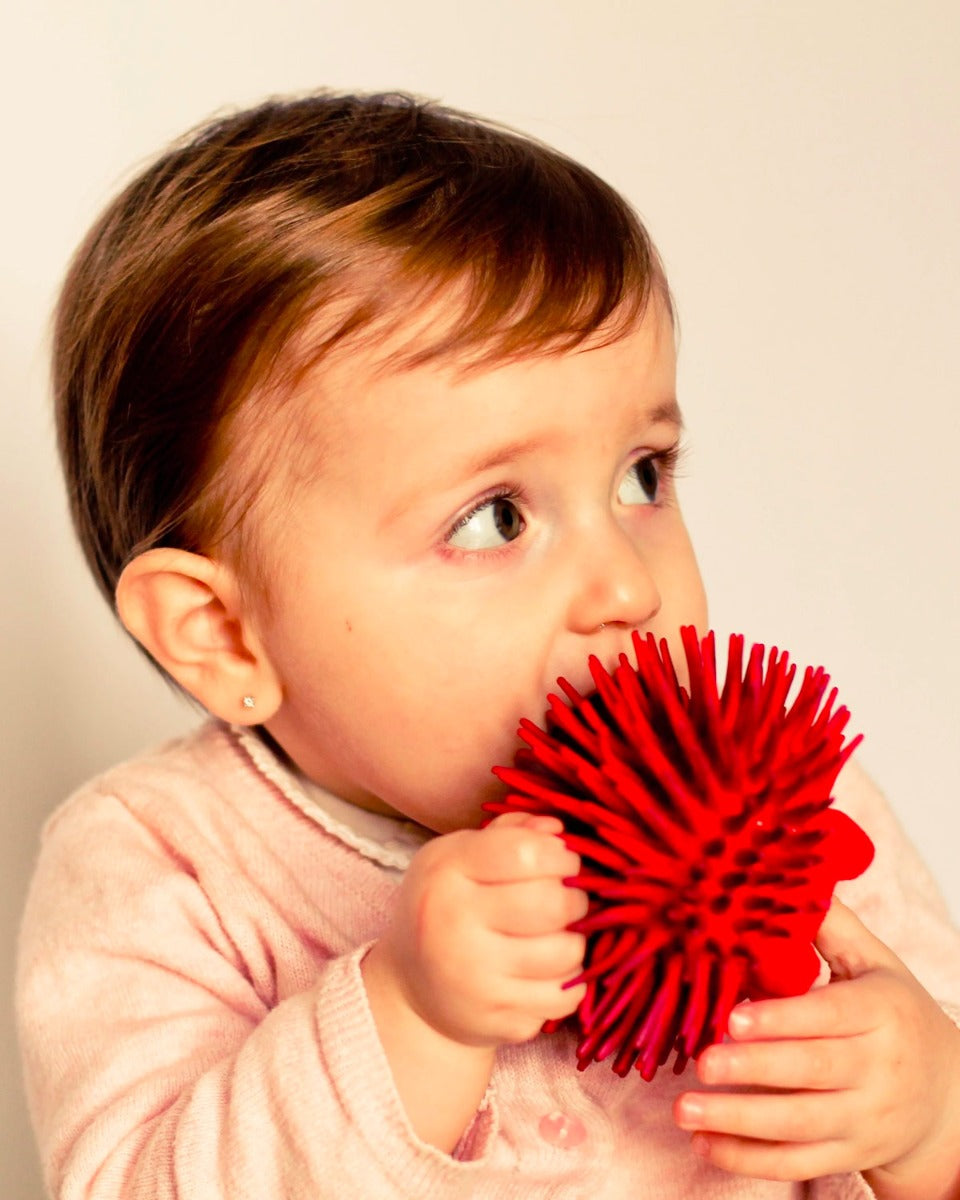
[798, 165]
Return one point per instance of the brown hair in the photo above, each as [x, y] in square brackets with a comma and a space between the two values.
[323, 217]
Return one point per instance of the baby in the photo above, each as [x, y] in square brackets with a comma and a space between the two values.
[368, 415]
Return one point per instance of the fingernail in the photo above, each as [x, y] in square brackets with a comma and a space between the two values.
[691, 1112]
[741, 1021]
[710, 1067]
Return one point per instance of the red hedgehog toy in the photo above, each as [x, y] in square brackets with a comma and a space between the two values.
[708, 843]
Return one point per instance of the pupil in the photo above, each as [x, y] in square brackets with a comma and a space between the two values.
[649, 477]
[505, 518]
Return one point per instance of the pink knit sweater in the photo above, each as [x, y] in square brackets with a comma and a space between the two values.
[194, 1023]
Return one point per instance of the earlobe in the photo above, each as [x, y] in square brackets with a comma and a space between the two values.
[188, 613]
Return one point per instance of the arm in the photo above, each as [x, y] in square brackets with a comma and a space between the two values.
[477, 955]
[161, 1061]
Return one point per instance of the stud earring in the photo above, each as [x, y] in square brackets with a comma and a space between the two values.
[249, 702]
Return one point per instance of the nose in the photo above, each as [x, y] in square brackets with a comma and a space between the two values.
[613, 583]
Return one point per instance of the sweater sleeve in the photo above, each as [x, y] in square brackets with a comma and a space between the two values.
[155, 1068]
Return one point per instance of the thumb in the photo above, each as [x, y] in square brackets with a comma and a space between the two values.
[517, 819]
[850, 949]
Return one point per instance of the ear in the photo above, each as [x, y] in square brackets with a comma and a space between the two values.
[187, 612]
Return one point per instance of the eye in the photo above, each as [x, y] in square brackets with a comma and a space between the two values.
[491, 524]
[641, 484]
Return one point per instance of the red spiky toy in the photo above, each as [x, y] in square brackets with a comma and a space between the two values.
[708, 846]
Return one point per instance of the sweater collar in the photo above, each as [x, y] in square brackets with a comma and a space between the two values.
[388, 841]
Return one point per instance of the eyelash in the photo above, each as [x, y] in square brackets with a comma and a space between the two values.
[667, 461]
[514, 495]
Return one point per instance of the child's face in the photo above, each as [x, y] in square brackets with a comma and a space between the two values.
[463, 541]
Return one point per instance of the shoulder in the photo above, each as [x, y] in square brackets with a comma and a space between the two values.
[194, 760]
[192, 839]
[187, 804]
[130, 825]
[185, 774]
[193, 774]
[214, 807]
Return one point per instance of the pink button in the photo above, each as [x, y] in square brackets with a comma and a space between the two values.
[562, 1130]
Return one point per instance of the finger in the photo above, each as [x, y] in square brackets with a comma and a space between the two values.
[841, 1009]
[770, 1117]
[531, 907]
[774, 1160]
[525, 1005]
[558, 957]
[815, 1064]
[849, 947]
[502, 853]
[522, 820]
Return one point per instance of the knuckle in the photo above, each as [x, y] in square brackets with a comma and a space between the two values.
[439, 878]
[574, 997]
[576, 902]
[832, 1010]
[536, 852]
[565, 907]
[507, 820]
[567, 1002]
[550, 903]
[571, 864]
[723, 1152]
[439, 903]
[568, 959]
[577, 947]
[521, 1027]
[795, 1127]
[519, 850]
[440, 858]
[821, 1064]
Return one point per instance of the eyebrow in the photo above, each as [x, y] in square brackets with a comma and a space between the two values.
[666, 412]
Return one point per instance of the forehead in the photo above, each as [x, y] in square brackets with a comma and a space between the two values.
[384, 390]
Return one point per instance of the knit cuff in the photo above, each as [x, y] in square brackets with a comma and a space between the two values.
[370, 1099]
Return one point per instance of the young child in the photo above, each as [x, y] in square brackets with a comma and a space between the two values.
[368, 415]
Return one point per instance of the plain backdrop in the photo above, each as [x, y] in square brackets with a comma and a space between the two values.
[798, 166]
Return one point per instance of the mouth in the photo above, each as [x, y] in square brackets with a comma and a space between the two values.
[579, 691]
[581, 681]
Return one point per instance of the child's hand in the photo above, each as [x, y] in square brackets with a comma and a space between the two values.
[476, 955]
[479, 945]
[863, 1074]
